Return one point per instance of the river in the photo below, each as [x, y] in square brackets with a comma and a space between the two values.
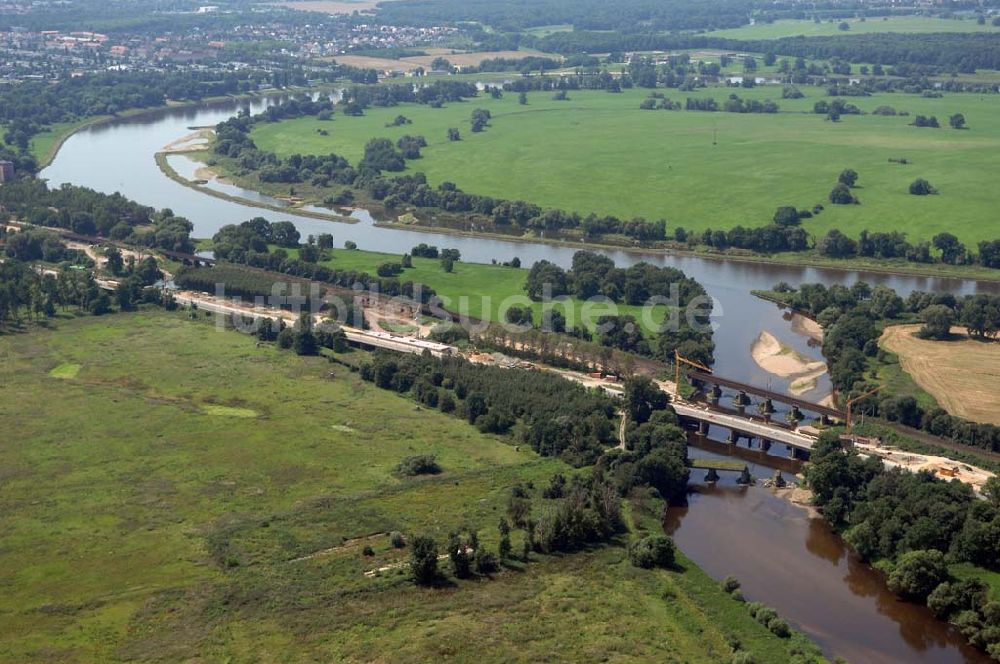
[784, 559]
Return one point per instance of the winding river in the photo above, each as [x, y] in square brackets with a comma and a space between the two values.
[784, 558]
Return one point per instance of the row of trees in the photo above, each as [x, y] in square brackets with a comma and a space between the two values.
[916, 525]
[893, 244]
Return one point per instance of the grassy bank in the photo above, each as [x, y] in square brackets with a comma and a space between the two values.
[597, 152]
[171, 491]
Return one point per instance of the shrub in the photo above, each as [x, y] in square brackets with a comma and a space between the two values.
[652, 551]
[921, 187]
[743, 657]
[487, 562]
[397, 540]
[730, 583]
[367, 551]
[918, 573]
[779, 628]
[423, 560]
[841, 195]
[420, 464]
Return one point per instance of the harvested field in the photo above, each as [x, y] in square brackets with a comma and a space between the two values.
[963, 375]
[331, 6]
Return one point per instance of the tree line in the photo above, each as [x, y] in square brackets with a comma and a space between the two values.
[92, 213]
[915, 525]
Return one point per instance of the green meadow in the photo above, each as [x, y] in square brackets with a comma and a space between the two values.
[172, 492]
[597, 152]
[484, 291]
[874, 24]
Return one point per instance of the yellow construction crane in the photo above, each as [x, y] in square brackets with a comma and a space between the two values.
[677, 369]
[851, 403]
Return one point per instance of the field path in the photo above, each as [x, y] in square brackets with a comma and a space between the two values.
[963, 375]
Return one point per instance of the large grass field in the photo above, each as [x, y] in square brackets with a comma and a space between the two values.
[599, 153]
[159, 478]
[809, 28]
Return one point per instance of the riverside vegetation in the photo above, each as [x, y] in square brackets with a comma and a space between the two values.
[360, 154]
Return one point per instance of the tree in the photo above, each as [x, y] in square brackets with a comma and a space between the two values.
[423, 560]
[957, 121]
[841, 195]
[114, 261]
[285, 234]
[642, 398]
[836, 244]
[652, 551]
[786, 216]
[921, 187]
[949, 246]
[454, 135]
[505, 547]
[461, 564]
[938, 320]
[522, 98]
[885, 302]
[918, 573]
[848, 177]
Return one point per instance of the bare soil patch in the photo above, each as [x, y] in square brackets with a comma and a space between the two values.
[962, 374]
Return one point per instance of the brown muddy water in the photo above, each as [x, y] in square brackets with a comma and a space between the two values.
[798, 565]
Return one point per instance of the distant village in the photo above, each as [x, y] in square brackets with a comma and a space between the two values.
[54, 54]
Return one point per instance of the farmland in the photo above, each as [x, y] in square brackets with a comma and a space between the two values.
[597, 152]
[809, 28]
[961, 373]
[139, 446]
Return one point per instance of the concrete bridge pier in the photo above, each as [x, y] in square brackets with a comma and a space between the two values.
[795, 454]
[767, 409]
[715, 395]
[703, 428]
[734, 437]
[741, 402]
[765, 445]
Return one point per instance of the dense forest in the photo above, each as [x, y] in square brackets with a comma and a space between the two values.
[595, 276]
[914, 525]
[91, 213]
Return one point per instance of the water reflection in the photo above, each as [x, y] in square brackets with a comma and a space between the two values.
[828, 593]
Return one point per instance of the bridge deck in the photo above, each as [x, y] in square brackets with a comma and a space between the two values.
[769, 394]
[746, 426]
[718, 464]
